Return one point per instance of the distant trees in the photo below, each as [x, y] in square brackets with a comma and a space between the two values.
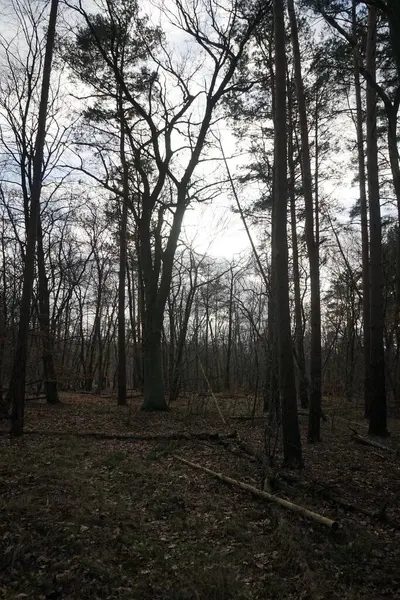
[93, 199]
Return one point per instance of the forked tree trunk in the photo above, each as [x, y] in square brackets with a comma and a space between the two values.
[290, 424]
[377, 413]
[18, 375]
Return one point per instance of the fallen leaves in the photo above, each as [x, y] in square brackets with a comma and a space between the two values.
[109, 519]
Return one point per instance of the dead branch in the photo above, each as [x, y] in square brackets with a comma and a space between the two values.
[264, 495]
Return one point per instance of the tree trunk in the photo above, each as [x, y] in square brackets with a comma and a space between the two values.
[18, 375]
[364, 224]
[4, 406]
[154, 399]
[49, 372]
[290, 424]
[394, 26]
[134, 322]
[122, 266]
[99, 386]
[377, 413]
[229, 343]
[312, 243]
[299, 329]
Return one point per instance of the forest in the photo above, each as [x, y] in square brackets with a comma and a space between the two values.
[199, 299]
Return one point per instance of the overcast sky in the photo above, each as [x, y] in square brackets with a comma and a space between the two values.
[214, 227]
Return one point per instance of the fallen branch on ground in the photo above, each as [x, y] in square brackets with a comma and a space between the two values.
[311, 487]
[264, 495]
[361, 439]
[131, 437]
[317, 488]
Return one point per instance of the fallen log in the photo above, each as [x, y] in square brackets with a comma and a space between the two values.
[361, 439]
[324, 491]
[131, 437]
[311, 487]
[32, 398]
[264, 495]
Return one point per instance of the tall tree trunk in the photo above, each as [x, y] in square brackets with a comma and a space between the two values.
[134, 322]
[122, 266]
[4, 406]
[99, 337]
[229, 342]
[377, 413]
[18, 375]
[298, 317]
[49, 372]
[364, 223]
[290, 424]
[312, 242]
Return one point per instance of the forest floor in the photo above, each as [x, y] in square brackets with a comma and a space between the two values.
[86, 518]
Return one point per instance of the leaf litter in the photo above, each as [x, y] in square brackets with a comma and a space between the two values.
[108, 519]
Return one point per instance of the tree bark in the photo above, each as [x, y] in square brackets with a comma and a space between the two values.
[154, 399]
[377, 413]
[393, 14]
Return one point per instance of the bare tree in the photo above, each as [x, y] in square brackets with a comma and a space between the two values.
[17, 384]
[167, 141]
